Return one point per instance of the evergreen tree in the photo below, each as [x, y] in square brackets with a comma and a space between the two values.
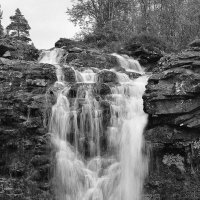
[1, 27]
[19, 27]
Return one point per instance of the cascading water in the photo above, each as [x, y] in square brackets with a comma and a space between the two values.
[53, 57]
[83, 171]
[128, 63]
[88, 76]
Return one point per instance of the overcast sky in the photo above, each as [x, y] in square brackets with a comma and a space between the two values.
[47, 18]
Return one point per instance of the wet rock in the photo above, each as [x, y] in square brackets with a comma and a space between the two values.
[51, 95]
[106, 113]
[106, 76]
[133, 75]
[69, 74]
[102, 89]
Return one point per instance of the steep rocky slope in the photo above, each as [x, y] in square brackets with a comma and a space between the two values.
[24, 145]
[26, 98]
[172, 100]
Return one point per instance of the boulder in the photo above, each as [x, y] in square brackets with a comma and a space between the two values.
[106, 76]
[69, 74]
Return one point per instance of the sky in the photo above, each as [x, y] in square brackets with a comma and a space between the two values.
[47, 18]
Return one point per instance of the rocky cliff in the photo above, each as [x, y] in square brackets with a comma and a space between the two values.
[24, 145]
[172, 100]
[26, 98]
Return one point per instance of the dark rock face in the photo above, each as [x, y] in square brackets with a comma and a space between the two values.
[106, 76]
[91, 58]
[79, 56]
[172, 100]
[188, 59]
[24, 142]
[16, 49]
[65, 43]
[148, 56]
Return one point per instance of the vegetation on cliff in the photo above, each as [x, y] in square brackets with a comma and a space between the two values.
[175, 22]
[19, 27]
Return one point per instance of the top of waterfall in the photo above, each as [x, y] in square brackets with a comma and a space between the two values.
[51, 56]
[129, 63]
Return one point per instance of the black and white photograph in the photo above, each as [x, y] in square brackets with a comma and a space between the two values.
[99, 99]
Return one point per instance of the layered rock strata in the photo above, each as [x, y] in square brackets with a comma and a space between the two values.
[172, 100]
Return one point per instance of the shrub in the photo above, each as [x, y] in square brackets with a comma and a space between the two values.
[102, 37]
[149, 41]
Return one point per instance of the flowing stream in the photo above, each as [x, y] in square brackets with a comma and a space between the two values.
[84, 171]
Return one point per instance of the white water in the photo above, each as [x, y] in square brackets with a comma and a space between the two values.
[53, 57]
[128, 63]
[83, 171]
[86, 76]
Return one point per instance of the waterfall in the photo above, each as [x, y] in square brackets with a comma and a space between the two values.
[88, 76]
[84, 170]
[53, 57]
[128, 63]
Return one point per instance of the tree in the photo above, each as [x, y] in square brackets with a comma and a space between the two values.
[175, 21]
[19, 27]
[107, 16]
[1, 27]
